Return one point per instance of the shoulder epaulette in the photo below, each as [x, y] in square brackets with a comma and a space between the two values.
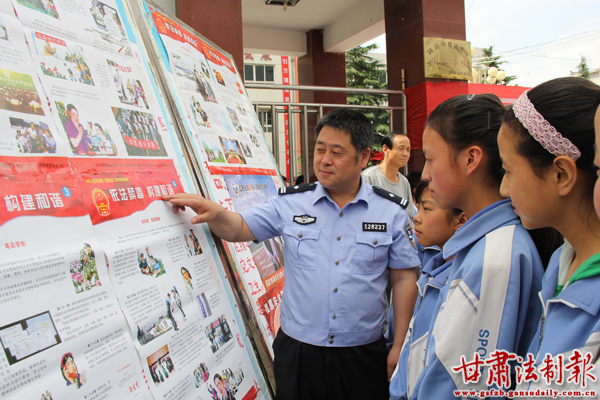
[391, 196]
[297, 189]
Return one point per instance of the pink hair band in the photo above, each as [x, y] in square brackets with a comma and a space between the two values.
[542, 131]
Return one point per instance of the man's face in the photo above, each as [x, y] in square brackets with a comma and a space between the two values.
[335, 159]
[400, 153]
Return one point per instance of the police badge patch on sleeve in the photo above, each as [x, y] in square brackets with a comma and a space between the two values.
[409, 234]
[304, 219]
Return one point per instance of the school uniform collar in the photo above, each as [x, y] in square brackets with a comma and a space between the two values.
[488, 219]
[582, 293]
[321, 192]
[437, 269]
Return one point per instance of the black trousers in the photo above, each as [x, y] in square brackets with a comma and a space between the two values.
[307, 372]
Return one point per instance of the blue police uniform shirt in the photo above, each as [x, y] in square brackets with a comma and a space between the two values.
[335, 274]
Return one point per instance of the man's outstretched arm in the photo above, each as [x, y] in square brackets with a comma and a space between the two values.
[227, 225]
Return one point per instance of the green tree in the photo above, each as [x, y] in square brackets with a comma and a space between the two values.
[490, 60]
[364, 71]
[582, 69]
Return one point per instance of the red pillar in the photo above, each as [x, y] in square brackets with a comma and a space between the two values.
[219, 21]
[406, 24]
[320, 68]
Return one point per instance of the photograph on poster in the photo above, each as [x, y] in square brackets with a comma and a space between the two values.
[43, 6]
[241, 109]
[246, 149]
[160, 365]
[70, 372]
[139, 132]
[192, 244]
[174, 310]
[46, 395]
[219, 77]
[213, 152]
[3, 31]
[18, 93]
[254, 140]
[187, 282]
[201, 375]
[89, 139]
[205, 69]
[203, 87]
[109, 25]
[152, 330]
[62, 60]
[129, 90]
[29, 336]
[268, 256]
[32, 136]
[149, 264]
[231, 149]
[235, 119]
[204, 306]
[227, 383]
[218, 333]
[200, 116]
[225, 121]
[83, 270]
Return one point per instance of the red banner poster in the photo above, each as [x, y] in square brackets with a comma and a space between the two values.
[285, 75]
[165, 26]
[269, 305]
[142, 144]
[115, 190]
[58, 196]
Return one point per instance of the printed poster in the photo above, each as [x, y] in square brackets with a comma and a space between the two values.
[102, 99]
[62, 332]
[167, 282]
[26, 124]
[214, 107]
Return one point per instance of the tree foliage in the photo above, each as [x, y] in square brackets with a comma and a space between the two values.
[364, 71]
[583, 69]
[490, 60]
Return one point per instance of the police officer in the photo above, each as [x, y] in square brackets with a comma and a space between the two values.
[342, 236]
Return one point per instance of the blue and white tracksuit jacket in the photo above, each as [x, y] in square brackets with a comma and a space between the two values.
[433, 278]
[490, 301]
[425, 254]
[570, 321]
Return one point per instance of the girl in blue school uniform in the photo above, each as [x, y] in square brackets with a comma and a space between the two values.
[490, 299]
[547, 147]
[433, 227]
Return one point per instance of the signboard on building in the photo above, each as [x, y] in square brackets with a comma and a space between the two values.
[447, 58]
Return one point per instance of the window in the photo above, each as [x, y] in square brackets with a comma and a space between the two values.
[259, 73]
[248, 72]
[266, 121]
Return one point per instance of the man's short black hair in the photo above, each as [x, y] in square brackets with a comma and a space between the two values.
[388, 139]
[352, 122]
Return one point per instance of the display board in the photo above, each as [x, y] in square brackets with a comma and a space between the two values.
[226, 140]
[106, 293]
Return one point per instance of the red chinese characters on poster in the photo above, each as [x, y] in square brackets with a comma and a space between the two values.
[269, 306]
[38, 187]
[118, 188]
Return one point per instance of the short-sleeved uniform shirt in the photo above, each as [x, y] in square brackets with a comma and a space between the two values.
[336, 261]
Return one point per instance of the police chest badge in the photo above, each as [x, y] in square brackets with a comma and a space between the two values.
[409, 234]
[304, 219]
[374, 227]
